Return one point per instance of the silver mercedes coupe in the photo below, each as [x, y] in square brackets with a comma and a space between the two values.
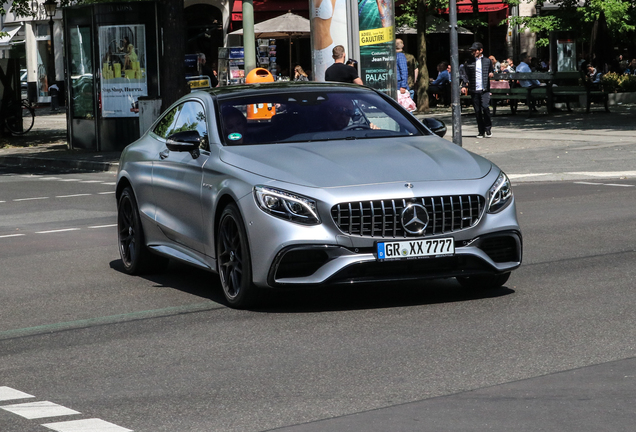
[301, 184]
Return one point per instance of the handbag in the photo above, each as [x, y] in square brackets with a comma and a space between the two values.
[405, 100]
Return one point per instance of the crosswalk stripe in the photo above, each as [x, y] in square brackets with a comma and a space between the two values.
[36, 410]
[8, 393]
[88, 425]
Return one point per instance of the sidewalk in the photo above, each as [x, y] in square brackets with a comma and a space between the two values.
[46, 146]
[561, 146]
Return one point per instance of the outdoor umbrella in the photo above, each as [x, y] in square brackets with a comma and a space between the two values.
[284, 26]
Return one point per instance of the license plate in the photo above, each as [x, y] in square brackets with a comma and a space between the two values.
[415, 248]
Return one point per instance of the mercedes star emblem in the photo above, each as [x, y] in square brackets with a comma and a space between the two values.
[414, 218]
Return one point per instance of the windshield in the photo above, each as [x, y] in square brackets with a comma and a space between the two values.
[311, 116]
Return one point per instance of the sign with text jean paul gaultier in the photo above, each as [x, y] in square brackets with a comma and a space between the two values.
[122, 50]
[377, 45]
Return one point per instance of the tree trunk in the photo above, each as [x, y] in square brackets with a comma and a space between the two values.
[476, 29]
[172, 44]
[422, 77]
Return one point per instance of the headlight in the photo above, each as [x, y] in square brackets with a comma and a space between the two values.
[286, 205]
[499, 194]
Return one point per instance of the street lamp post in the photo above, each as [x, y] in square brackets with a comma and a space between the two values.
[50, 7]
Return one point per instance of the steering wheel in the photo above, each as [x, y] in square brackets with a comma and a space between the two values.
[356, 127]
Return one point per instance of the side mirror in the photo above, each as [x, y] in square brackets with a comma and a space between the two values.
[186, 141]
[436, 126]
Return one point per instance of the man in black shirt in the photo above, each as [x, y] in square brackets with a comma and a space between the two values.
[339, 71]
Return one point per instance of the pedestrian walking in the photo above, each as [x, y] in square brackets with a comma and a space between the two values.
[402, 69]
[477, 73]
[412, 67]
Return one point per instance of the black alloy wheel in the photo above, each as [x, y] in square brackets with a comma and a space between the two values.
[484, 281]
[134, 254]
[233, 257]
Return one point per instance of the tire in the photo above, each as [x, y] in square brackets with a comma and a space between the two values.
[135, 256]
[234, 260]
[484, 282]
[18, 126]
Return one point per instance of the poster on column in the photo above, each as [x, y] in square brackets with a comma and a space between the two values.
[377, 45]
[122, 50]
[328, 29]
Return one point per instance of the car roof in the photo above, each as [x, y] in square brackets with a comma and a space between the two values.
[282, 87]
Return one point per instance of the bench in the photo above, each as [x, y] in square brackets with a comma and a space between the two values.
[563, 89]
[503, 88]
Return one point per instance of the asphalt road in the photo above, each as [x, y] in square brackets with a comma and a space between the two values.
[88, 348]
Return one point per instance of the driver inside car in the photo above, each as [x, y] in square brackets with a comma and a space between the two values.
[339, 112]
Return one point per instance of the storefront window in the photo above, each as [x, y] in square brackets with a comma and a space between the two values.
[82, 84]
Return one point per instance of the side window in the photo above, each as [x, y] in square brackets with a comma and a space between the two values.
[168, 124]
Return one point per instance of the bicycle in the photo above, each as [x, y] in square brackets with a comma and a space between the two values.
[19, 119]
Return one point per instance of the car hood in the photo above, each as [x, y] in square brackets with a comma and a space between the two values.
[359, 162]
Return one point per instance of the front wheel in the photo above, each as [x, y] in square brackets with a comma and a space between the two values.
[484, 281]
[233, 258]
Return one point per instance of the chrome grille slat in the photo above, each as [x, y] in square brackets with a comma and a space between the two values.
[447, 214]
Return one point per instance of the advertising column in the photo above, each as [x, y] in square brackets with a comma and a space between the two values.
[328, 29]
[122, 49]
[377, 45]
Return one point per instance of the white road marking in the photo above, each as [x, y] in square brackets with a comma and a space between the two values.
[106, 193]
[89, 425]
[2, 201]
[36, 410]
[8, 393]
[91, 181]
[30, 199]
[57, 231]
[518, 176]
[70, 180]
[109, 183]
[49, 178]
[589, 183]
[102, 226]
[606, 174]
[32, 176]
[619, 185]
[72, 196]
[11, 235]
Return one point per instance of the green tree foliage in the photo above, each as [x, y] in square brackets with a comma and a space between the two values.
[579, 17]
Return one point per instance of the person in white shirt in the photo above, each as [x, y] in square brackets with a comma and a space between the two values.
[476, 75]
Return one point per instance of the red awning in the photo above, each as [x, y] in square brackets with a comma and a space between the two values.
[295, 6]
[466, 6]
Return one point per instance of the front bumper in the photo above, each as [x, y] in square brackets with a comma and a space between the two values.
[320, 264]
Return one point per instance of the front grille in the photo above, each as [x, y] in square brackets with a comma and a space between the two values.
[381, 218]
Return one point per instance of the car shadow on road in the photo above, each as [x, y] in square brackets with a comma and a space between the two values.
[184, 278]
[373, 296]
[325, 298]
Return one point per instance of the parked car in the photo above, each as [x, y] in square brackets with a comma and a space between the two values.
[303, 184]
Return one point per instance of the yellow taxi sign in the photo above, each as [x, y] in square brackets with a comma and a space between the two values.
[200, 83]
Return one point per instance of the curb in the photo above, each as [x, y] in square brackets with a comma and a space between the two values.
[64, 164]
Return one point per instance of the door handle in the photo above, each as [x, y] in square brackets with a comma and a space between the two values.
[164, 154]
